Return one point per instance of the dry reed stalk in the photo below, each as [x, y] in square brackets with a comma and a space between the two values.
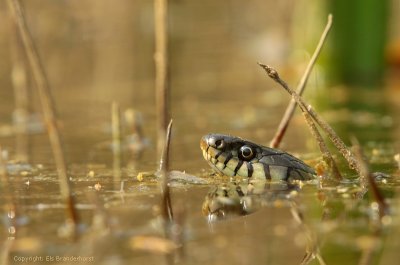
[19, 79]
[162, 70]
[300, 88]
[339, 144]
[166, 204]
[326, 154]
[49, 116]
[116, 143]
[367, 179]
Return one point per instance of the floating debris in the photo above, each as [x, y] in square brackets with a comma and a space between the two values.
[144, 175]
[97, 186]
[183, 177]
[156, 245]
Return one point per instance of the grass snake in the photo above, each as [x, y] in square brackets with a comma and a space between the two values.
[233, 156]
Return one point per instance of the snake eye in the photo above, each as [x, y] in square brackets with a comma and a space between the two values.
[246, 152]
[219, 144]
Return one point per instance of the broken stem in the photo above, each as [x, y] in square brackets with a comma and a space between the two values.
[47, 108]
[300, 88]
[164, 168]
[366, 178]
[343, 149]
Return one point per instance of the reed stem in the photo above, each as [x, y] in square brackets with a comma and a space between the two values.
[116, 143]
[47, 104]
[161, 70]
[166, 204]
[300, 88]
[343, 149]
[326, 154]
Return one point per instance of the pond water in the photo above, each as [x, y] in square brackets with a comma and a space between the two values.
[341, 222]
[216, 87]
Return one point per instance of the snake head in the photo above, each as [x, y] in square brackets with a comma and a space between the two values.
[234, 156]
[229, 155]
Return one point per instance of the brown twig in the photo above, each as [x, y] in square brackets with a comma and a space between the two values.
[326, 154]
[162, 69]
[343, 149]
[366, 178]
[116, 143]
[300, 88]
[166, 204]
[47, 108]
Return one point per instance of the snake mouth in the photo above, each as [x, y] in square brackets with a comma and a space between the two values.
[203, 144]
[209, 152]
[223, 161]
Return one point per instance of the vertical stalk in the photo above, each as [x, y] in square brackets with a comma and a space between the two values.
[49, 115]
[116, 143]
[300, 88]
[161, 71]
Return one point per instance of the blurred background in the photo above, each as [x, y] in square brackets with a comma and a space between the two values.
[99, 52]
[96, 52]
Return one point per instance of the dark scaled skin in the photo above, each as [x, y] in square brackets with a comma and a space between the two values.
[233, 156]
